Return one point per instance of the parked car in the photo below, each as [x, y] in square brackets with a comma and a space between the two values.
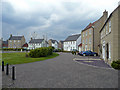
[89, 53]
[80, 53]
[55, 50]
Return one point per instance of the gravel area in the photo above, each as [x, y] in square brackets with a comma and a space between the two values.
[63, 72]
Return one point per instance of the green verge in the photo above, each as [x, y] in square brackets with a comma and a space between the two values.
[20, 58]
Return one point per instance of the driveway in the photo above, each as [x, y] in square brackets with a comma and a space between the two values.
[62, 72]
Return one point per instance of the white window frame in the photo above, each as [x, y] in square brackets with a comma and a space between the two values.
[83, 41]
[90, 31]
[89, 40]
[109, 51]
[106, 29]
[109, 26]
[86, 41]
[86, 33]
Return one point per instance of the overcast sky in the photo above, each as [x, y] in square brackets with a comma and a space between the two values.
[55, 18]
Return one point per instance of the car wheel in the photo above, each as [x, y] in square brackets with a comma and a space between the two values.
[84, 55]
[95, 55]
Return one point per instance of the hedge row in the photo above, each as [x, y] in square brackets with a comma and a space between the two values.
[41, 52]
[116, 64]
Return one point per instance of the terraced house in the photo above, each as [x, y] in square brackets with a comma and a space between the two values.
[110, 37]
[16, 41]
[90, 35]
[87, 37]
[37, 43]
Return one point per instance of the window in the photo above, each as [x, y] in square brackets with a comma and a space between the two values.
[10, 40]
[86, 41]
[86, 33]
[106, 29]
[83, 34]
[18, 41]
[109, 26]
[14, 40]
[109, 51]
[83, 41]
[89, 40]
[89, 31]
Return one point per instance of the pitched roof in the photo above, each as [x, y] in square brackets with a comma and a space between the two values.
[72, 37]
[109, 18]
[62, 42]
[89, 26]
[15, 38]
[53, 41]
[36, 40]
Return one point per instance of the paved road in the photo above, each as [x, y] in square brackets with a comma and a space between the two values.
[64, 72]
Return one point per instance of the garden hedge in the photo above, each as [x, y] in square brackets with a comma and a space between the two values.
[41, 52]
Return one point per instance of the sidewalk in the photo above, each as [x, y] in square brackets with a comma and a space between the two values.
[92, 61]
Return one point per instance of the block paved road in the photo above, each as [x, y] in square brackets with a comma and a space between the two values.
[63, 72]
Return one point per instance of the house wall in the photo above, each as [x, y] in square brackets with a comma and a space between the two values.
[60, 45]
[113, 38]
[69, 45]
[31, 45]
[89, 37]
[78, 42]
[97, 27]
[16, 43]
[55, 45]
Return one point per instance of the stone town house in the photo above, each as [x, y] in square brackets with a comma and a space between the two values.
[90, 35]
[110, 37]
[16, 41]
[87, 37]
[60, 45]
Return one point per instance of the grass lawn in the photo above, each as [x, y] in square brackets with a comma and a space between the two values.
[19, 58]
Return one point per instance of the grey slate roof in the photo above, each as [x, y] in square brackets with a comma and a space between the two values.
[72, 37]
[15, 38]
[4, 42]
[53, 41]
[36, 40]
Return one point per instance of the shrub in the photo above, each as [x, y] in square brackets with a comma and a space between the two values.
[116, 64]
[41, 52]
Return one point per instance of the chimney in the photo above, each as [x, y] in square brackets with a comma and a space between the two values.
[105, 15]
[118, 3]
[31, 38]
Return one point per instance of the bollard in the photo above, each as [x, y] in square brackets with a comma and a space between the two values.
[2, 65]
[13, 73]
[7, 69]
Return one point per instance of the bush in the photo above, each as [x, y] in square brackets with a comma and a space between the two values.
[116, 64]
[41, 52]
[74, 52]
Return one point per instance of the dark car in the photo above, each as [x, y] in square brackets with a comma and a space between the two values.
[80, 53]
[89, 53]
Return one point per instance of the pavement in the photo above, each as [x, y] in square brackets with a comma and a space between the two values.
[61, 72]
[92, 61]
